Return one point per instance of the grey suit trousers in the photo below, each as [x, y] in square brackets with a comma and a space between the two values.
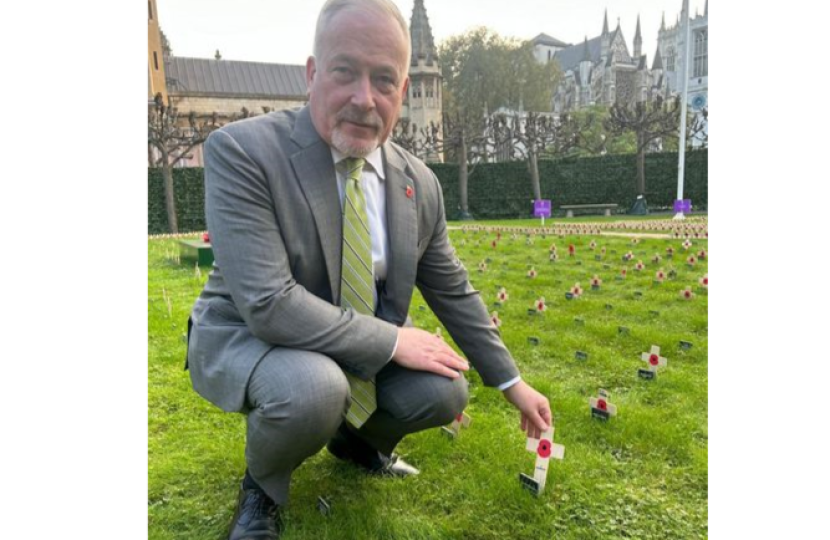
[297, 399]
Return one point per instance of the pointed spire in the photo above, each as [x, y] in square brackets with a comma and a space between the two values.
[423, 44]
[706, 9]
[658, 60]
[638, 40]
[663, 23]
[586, 55]
[605, 23]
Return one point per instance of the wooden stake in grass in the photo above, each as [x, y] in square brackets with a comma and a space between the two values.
[654, 361]
[687, 293]
[704, 281]
[454, 429]
[596, 283]
[494, 318]
[198, 272]
[502, 296]
[601, 408]
[545, 449]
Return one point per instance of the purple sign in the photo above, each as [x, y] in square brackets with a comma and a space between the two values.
[683, 206]
[541, 208]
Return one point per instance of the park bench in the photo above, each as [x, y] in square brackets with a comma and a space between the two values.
[571, 207]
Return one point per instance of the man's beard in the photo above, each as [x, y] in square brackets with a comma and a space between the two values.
[347, 145]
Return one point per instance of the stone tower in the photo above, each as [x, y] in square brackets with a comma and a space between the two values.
[423, 103]
[155, 55]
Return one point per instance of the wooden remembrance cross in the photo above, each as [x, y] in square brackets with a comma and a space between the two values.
[544, 448]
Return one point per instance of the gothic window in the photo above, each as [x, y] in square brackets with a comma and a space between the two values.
[548, 56]
[670, 59]
[150, 7]
[416, 92]
[156, 60]
[701, 53]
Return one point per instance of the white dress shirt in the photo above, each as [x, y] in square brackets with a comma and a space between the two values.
[372, 182]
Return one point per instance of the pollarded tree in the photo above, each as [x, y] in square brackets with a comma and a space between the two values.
[650, 122]
[170, 141]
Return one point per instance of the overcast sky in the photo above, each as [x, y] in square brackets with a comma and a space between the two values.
[281, 31]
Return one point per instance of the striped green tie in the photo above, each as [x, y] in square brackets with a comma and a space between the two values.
[356, 281]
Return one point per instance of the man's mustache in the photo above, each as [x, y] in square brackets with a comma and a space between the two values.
[370, 118]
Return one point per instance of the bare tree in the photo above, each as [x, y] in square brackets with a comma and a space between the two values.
[650, 122]
[410, 138]
[170, 141]
[525, 138]
[467, 140]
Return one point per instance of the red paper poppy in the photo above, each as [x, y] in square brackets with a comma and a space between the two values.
[602, 405]
[409, 192]
[459, 417]
[206, 238]
[653, 359]
[544, 448]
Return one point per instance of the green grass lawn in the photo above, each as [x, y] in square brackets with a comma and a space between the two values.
[643, 474]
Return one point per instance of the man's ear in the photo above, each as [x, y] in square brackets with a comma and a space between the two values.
[405, 87]
[310, 71]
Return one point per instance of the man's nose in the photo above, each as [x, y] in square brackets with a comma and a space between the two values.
[362, 96]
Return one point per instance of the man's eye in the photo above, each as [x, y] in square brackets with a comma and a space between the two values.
[385, 82]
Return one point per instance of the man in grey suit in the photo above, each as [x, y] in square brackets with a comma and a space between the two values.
[273, 334]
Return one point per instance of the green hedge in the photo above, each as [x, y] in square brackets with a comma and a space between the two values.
[498, 190]
[189, 187]
[503, 190]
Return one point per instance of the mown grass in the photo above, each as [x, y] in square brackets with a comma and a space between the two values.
[641, 475]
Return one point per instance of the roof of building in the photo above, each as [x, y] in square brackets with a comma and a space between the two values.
[209, 77]
[545, 39]
[658, 60]
[571, 57]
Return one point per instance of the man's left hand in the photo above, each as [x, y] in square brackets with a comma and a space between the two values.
[535, 409]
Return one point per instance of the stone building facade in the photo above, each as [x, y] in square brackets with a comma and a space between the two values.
[602, 71]
[226, 87]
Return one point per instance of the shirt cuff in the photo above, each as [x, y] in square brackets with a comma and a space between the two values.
[508, 384]
[395, 349]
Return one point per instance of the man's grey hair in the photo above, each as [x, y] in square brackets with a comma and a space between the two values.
[382, 7]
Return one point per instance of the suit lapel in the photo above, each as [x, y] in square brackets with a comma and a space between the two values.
[402, 227]
[314, 169]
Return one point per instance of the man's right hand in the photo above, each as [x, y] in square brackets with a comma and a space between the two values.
[421, 351]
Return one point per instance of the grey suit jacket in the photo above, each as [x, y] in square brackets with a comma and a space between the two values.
[274, 216]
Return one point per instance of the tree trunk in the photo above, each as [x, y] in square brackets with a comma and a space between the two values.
[462, 177]
[533, 166]
[169, 194]
[641, 168]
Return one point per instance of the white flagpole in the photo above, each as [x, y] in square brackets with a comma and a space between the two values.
[684, 98]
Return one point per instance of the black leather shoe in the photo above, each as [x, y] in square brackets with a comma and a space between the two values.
[348, 447]
[257, 517]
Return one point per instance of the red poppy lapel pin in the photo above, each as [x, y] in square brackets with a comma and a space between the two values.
[409, 192]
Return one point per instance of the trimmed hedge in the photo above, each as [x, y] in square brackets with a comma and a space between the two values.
[503, 190]
[189, 186]
[498, 190]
